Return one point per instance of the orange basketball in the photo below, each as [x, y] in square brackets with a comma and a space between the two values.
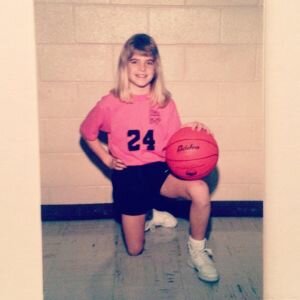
[192, 154]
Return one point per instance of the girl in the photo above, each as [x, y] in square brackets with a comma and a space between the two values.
[139, 117]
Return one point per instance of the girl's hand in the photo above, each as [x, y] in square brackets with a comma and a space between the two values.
[102, 152]
[197, 126]
[115, 163]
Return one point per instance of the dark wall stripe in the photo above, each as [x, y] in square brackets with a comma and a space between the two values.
[178, 208]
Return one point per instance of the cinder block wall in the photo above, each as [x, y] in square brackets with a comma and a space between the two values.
[211, 52]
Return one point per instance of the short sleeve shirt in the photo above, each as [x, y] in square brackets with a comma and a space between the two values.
[137, 132]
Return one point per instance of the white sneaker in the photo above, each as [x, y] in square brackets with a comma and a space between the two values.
[160, 218]
[201, 261]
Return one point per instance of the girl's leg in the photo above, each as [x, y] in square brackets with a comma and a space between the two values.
[133, 230]
[198, 193]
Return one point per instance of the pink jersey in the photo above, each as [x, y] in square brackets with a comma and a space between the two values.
[137, 132]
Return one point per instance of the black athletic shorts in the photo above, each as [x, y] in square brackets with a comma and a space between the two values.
[136, 189]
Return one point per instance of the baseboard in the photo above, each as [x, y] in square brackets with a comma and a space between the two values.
[63, 212]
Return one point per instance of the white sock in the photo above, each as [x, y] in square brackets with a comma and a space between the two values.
[197, 244]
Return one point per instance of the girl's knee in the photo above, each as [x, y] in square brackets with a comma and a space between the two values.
[135, 250]
[198, 191]
[197, 187]
[133, 233]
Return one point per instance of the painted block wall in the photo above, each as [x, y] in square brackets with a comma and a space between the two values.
[212, 58]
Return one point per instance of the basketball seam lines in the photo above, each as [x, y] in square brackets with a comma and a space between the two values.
[178, 141]
[168, 159]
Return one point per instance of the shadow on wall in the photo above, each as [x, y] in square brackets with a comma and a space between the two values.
[212, 180]
[93, 157]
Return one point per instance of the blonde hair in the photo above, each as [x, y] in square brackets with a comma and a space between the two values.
[145, 45]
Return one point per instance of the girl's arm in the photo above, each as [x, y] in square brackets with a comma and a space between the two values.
[110, 161]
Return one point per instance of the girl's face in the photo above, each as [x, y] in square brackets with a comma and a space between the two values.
[141, 70]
